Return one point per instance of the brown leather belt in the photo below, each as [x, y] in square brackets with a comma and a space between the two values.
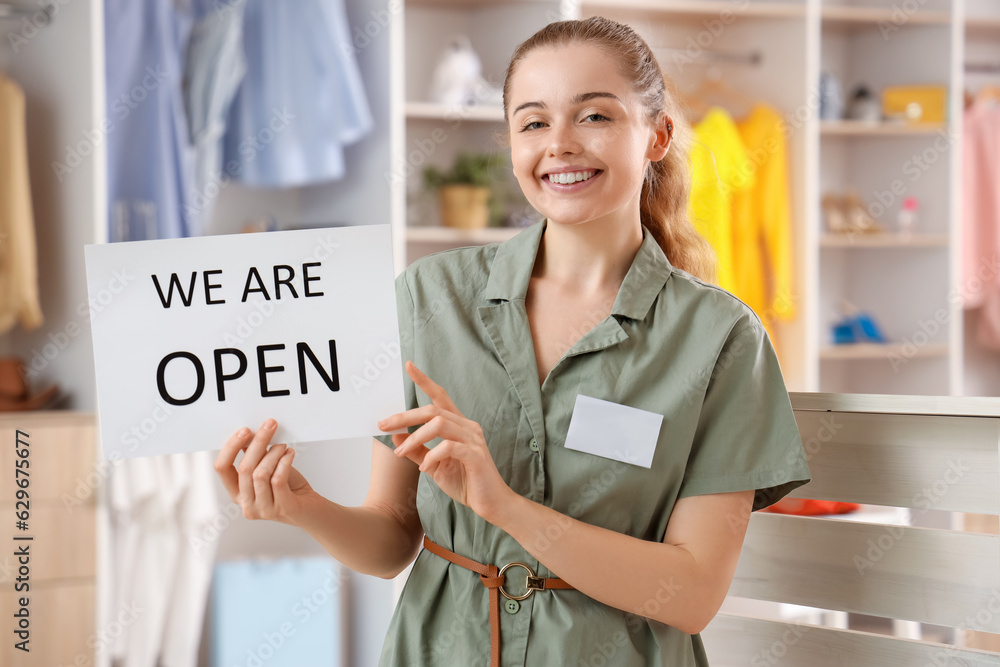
[493, 579]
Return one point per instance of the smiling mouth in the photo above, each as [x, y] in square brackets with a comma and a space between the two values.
[570, 177]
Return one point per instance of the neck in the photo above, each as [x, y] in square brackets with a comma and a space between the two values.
[588, 257]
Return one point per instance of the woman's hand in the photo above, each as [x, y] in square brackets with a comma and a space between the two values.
[264, 483]
[461, 463]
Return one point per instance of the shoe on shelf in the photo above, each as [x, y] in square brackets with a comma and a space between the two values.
[858, 218]
[856, 327]
[833, 214]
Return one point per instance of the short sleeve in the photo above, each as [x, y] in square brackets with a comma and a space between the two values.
[405, 317]
[746, 436]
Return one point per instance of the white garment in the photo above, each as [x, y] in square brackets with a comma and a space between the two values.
[157, 505]
[132, 481]
[196, 510]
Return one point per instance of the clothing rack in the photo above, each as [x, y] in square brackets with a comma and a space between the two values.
[713, 56]
[983, 67]
[40, 16]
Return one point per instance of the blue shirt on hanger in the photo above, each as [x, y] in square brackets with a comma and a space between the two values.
[214, 68]
[302, 98]
[149, 157]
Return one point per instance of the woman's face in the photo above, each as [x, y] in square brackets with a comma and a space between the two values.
[580, 140]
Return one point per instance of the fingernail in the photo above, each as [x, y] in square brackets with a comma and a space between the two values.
[270, 423]
[243, 432]
[381, 424]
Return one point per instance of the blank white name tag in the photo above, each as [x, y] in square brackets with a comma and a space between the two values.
[613, 431]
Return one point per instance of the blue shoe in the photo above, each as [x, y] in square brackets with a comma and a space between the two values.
[843, 333]
[869, 330]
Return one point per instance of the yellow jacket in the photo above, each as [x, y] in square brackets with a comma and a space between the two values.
[762, 227]
[718, 161]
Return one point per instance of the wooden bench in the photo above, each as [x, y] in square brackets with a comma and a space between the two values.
[925, 453]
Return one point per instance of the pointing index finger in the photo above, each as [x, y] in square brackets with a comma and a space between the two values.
[434, 391]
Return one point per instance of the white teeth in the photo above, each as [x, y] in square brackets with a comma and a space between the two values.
[566, 178]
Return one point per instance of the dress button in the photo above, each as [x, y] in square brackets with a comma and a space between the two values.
[512, 606]
[533, 445]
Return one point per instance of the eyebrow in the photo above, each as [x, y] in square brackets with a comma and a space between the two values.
[579, 99]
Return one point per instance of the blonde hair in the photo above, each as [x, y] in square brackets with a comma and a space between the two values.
[667, 184]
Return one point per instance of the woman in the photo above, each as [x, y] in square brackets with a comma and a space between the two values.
[619, 520]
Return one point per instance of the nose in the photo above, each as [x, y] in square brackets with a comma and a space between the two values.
[563, 139]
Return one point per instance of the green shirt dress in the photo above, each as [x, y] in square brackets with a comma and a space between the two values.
[672, 345]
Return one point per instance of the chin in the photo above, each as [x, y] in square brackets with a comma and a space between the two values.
[564, 217]
[574, 219]
[569, 222]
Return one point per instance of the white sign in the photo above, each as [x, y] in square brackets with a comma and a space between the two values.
[195, 338]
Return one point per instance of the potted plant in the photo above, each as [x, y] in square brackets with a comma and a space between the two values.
[464, 190]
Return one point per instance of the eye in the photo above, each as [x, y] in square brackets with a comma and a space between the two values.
[596, 117]
[533, 125]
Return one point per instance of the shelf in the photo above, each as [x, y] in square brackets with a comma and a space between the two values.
[881, 350]
[884, 240]
[432, 111]
[896, 516]
[876, 15]
[452, 235]
[703, 8]
[982, 24]
[857, 128]
[474, 4]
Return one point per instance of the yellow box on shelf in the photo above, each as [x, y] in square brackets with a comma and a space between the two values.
[915, 104]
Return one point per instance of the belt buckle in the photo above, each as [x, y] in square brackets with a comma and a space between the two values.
[532, 582]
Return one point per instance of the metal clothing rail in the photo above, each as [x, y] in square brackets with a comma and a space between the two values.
[40, 15]
[712, 56]
[983, 67]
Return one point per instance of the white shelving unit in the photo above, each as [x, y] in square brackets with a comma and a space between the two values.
[439, 112]
[885, 162]
[430, 134]
[697, 8]
[875, 12]
[907, 283]
[854, 128]
[883, 240]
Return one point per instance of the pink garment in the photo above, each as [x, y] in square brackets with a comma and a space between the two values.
[980, 286]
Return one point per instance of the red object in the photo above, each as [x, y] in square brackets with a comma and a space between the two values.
[807, 507]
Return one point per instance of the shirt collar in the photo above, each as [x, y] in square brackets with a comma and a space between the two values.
[515, 258]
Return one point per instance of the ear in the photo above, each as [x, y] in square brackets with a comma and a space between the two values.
[663, 132]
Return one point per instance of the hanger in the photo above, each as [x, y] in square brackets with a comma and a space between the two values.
[714, 91]
[694, 107]
[990, 94]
